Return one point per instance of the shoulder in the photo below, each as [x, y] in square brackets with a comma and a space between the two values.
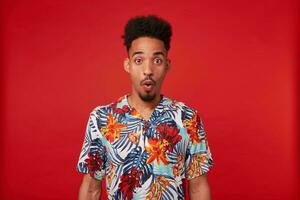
[98, 115]
[98, 110]
[101, 111]
[187, 110]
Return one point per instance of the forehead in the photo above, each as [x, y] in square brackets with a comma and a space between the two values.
[147, 45]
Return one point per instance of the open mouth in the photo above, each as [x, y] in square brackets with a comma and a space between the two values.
[148, 85]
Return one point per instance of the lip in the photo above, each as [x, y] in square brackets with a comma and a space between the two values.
[148, 87]
[148, 82]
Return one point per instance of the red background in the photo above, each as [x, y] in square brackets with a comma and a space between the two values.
[235, 61]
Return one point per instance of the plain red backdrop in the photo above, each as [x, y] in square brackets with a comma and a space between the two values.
[235, 61]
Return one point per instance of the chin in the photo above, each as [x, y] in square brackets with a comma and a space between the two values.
[147, 97]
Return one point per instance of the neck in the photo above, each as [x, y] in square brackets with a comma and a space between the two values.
[135, 101]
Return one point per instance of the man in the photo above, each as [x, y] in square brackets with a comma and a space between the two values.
[144, 144]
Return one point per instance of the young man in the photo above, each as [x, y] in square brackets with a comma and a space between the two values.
[145, 144]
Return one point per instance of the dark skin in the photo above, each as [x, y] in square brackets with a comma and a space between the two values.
[147, 60]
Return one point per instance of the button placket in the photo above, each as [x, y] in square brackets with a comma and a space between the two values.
[146, 125]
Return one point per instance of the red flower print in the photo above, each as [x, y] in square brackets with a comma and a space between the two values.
[93, 163]
[122, 110]
[135, 113]
[129, 182]
[169, 133]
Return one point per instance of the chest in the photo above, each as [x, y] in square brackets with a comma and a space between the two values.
[161, 140]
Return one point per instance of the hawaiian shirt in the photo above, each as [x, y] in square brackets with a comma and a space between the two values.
[145, 159]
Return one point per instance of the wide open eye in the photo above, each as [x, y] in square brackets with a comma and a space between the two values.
[158, 61]
[138, 61]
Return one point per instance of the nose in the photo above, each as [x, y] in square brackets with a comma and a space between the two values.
[148, 71]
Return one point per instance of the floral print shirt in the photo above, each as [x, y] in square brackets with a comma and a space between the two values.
[145, 159]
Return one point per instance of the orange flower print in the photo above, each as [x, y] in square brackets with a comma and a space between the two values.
[176, 170]
[157, 150]
[156, 189]
[135, 113]
[134, 137]
[112, 128]
[112, 173]
[195, 168]
[192, 127]
[178, 167]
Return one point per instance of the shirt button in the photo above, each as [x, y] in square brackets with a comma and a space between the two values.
[146, 125]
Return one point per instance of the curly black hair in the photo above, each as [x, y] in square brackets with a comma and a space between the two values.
[150, 26]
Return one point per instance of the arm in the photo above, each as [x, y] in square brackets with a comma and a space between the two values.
[199, 188]
[90, 188]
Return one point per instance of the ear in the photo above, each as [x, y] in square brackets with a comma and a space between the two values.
[168, 64]
[126, 64]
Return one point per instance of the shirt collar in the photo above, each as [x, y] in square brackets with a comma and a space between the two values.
[164, 104]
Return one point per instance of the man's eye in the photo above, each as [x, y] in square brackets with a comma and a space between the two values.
[138, 61]
[157, 61]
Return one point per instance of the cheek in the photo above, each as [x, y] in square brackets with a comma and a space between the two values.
[162, 75]
[134, 77]
[135, 70]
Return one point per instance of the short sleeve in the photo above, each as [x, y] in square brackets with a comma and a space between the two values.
[198, 159]
[92, 158]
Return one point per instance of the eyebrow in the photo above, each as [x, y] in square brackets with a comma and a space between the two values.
[159, 53]
[155, 53]
[137, 52]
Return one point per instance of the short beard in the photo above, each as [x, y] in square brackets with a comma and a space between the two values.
[147, 97]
